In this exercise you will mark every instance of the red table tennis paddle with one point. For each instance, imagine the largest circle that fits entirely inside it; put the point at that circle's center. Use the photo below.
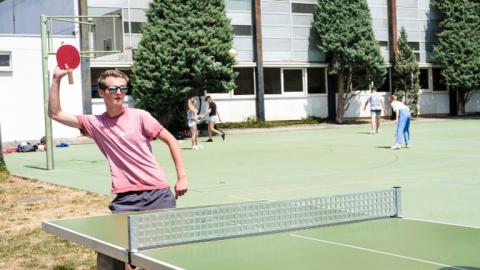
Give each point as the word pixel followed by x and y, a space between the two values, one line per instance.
pixel 68 58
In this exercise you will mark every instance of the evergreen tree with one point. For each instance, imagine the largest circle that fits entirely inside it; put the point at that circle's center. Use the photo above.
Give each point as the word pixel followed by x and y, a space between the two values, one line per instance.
pixel 183 52
pixel 4 173
pixel 346 37
pixel 405 74
pixel 458 48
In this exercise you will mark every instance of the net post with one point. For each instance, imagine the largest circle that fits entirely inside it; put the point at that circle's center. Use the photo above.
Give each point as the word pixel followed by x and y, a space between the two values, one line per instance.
pixel 398 201
pixel 132 242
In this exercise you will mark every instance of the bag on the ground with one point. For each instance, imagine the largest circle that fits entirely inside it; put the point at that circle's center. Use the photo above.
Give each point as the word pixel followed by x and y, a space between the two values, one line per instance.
pixel 26 147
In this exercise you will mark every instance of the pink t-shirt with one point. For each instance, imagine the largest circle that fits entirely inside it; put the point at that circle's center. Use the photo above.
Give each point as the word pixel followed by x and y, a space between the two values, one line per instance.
pixel 125 142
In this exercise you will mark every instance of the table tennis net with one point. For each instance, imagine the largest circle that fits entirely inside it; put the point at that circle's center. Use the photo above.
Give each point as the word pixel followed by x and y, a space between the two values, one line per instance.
pixel 179 226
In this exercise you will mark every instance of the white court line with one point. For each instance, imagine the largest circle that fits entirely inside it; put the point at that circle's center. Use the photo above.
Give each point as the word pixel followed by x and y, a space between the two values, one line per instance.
pixel 375 251
pixel 444 223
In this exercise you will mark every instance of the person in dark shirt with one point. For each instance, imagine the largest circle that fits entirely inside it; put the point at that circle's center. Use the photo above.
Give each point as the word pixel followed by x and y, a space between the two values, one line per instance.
pixel 212 116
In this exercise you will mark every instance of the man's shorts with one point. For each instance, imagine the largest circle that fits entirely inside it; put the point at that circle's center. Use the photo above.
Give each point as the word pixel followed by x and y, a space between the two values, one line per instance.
pixel 143 200
pixel 376 112
pixel 191 123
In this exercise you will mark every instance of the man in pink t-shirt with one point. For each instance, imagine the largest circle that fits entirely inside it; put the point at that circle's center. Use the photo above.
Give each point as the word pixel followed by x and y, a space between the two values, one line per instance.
pixel 123 135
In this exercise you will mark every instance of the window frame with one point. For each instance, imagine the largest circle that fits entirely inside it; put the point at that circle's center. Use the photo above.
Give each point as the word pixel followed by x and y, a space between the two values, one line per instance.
pixel 295 5
pixel 325 81
pixel 416 51
pixel 282 82
pixel 433 83
pixel 253 81
pixel 429 75
pixel 10 61
pixel 238 27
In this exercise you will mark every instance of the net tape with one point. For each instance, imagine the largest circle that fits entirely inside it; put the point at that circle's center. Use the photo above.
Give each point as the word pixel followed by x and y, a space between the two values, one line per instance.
pixel 216 222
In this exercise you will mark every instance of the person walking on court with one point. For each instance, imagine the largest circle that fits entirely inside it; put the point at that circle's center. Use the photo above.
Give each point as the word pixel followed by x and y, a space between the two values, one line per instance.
pixel 376 106
pixel 212 117
pixel 192 120
pixel 123 135
pixel 403 122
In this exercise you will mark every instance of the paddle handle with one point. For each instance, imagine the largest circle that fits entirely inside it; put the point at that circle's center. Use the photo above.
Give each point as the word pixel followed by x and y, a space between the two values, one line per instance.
pixel 70 76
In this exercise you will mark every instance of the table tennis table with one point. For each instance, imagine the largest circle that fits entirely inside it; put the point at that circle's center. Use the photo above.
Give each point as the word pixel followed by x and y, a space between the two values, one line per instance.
pixel 369 242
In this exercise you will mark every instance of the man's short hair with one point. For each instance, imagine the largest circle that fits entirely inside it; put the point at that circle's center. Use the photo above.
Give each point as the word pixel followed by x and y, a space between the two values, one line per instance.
pixel 110 73
pixel 207 97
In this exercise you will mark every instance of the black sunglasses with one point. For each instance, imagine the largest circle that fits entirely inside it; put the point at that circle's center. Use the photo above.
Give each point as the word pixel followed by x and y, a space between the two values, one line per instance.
pixel 112 89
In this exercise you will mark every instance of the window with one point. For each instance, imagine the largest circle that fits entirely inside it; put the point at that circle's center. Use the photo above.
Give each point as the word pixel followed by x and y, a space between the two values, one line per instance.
pixel 417 56
pixel 415 46
pixel 438 80
pixel 292 80
pixel 303 8
pixel 5 61
pixel 316 80
pixel 242 30
pixel 271 81
pixel 383 44
pixel 135 27
pixel 423 78
pixel 244 82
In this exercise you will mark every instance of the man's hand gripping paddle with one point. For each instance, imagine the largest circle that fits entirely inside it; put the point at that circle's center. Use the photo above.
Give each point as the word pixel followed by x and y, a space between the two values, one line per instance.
pixel 68 58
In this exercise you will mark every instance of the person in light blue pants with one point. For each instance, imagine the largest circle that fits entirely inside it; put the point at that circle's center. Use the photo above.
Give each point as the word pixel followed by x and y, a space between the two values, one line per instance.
pixel 403 122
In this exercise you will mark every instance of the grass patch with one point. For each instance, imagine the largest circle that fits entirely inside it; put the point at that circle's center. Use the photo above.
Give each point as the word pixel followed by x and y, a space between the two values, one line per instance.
pixel 252 123
pixel 24 205
pixel 4 176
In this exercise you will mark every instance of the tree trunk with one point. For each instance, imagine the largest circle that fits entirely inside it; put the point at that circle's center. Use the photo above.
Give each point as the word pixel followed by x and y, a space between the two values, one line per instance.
pixel 340 97
pixel 460 102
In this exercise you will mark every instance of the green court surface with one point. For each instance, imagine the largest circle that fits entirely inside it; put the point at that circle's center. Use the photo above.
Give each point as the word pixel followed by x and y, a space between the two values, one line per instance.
pixel 439 174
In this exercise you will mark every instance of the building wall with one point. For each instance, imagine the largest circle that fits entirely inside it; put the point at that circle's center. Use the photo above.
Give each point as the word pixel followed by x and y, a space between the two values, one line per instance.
pixel 289 43
pixel 421 24
pixel 431 103
pixel 379 14
pixel 473 105
pixel 21 91
pixel 240 14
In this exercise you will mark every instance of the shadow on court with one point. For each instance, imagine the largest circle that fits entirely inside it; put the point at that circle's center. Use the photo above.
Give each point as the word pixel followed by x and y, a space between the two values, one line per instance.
pixel 36 167
pixel 383 147
pixel 459 267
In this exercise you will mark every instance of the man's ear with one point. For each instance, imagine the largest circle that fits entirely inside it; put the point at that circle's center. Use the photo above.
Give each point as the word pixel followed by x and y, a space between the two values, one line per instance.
pixel 100 92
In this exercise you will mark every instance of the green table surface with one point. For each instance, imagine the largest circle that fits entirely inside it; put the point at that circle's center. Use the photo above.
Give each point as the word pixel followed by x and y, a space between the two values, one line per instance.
pixel 393 243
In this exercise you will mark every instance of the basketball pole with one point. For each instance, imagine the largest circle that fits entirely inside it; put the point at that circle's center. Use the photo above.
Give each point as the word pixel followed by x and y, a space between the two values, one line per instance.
pixel 46 84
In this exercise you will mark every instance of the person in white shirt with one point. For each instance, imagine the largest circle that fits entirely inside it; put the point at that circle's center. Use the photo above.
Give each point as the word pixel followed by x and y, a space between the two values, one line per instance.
pixel 403 122
pixel 376 106
pixel 192 120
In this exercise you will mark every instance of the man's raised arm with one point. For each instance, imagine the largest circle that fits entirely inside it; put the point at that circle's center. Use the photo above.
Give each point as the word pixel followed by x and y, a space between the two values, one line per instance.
pixel 54 108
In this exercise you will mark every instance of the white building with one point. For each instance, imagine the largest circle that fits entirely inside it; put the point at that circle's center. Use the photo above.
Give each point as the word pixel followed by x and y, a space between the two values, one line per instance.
pixel 296 82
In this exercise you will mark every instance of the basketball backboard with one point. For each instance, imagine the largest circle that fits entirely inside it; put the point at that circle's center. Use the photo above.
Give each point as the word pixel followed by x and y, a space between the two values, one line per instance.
pixel 108 33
